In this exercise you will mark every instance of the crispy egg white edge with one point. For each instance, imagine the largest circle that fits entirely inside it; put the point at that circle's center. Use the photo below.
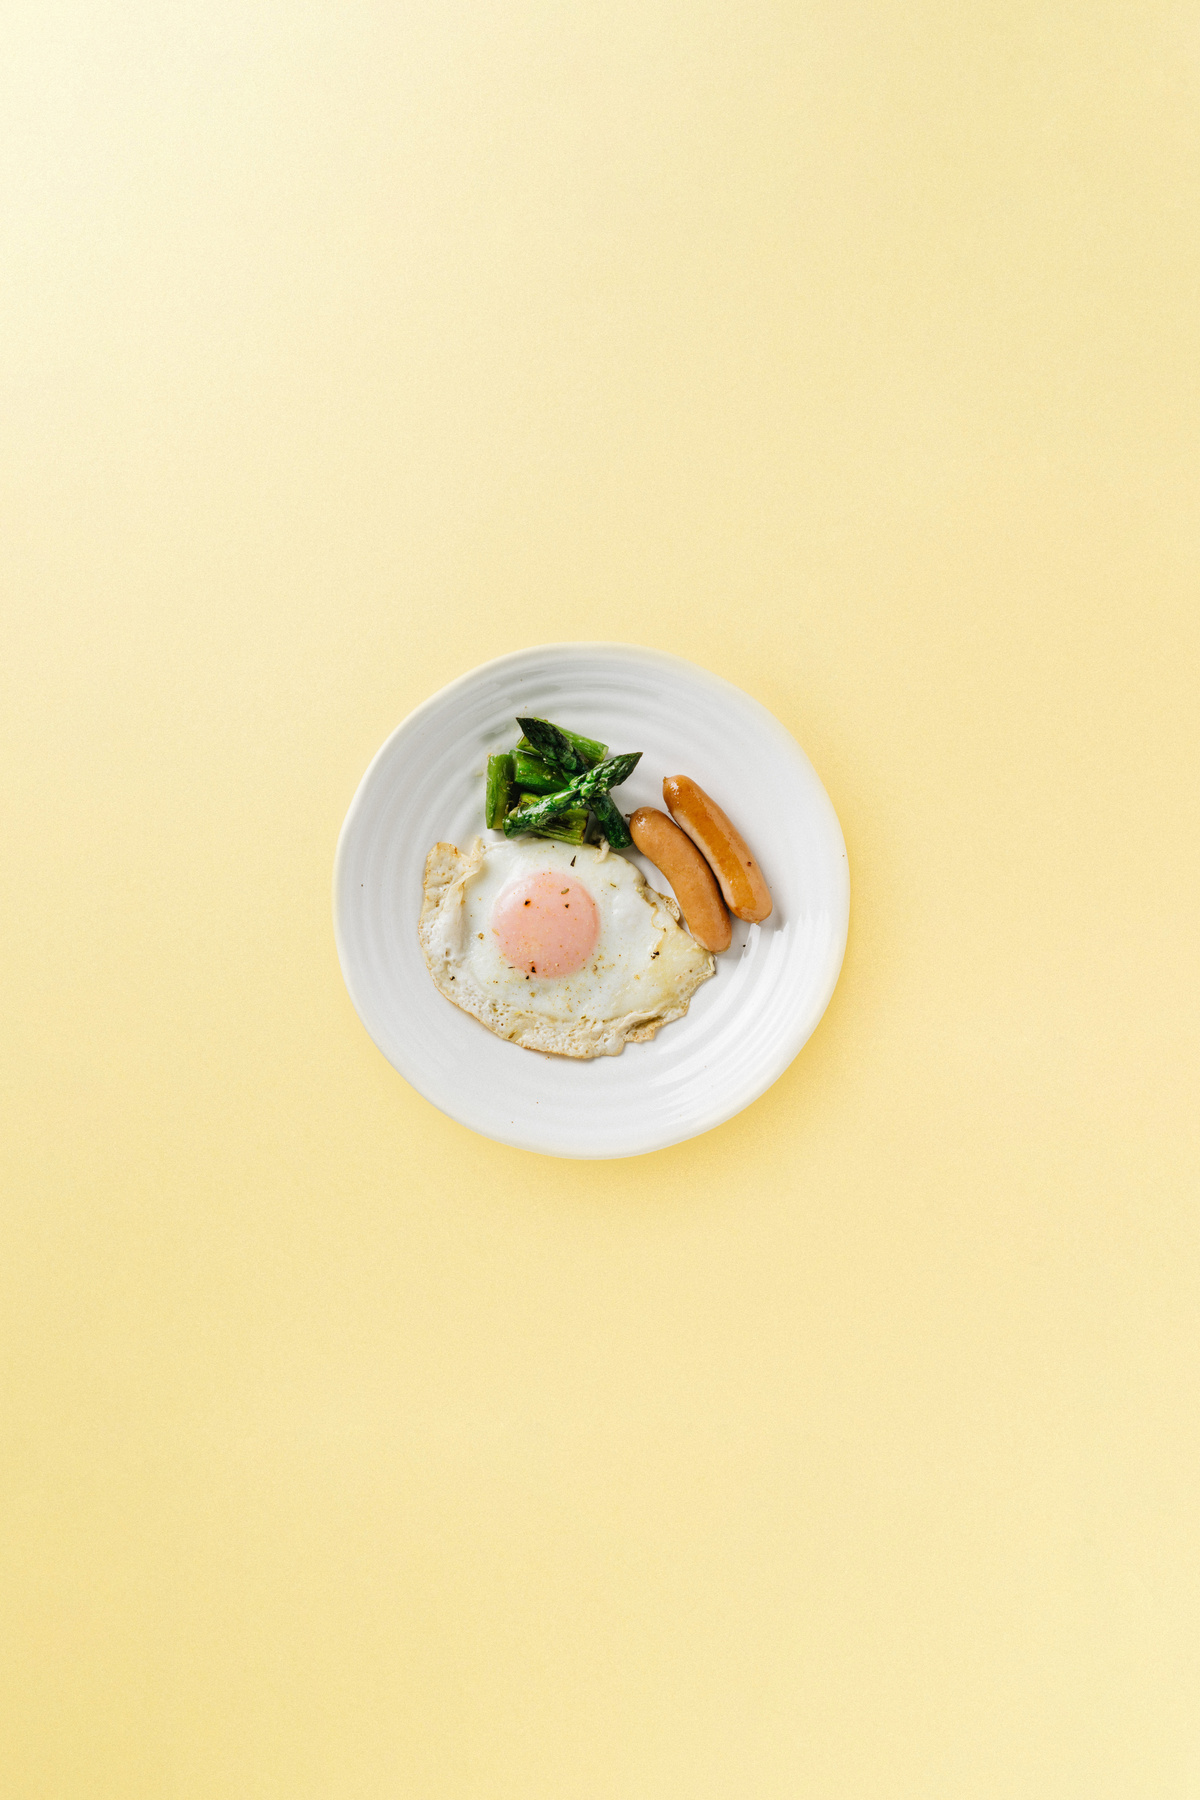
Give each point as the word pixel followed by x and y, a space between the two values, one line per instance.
pixel 441 931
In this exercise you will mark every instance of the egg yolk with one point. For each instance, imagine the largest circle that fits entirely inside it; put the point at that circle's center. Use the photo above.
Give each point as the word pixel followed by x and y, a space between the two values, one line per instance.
pixel 547 924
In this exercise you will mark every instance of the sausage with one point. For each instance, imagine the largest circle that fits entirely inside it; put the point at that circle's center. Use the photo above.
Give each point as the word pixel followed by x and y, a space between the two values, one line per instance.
pixel 740 878
pixel 694 883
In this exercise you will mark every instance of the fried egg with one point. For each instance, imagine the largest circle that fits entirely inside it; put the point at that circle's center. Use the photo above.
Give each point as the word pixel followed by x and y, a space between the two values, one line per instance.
pixel 556 947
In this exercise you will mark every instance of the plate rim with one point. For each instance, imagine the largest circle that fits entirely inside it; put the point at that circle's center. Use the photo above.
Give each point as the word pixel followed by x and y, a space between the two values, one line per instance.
pixel 580 647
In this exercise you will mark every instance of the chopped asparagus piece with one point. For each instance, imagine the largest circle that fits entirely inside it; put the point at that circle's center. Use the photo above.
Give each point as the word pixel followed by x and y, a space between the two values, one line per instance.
pixel 531 773
pixel 499 789
pixel 610 821
pixel 568 827
pixel 561 749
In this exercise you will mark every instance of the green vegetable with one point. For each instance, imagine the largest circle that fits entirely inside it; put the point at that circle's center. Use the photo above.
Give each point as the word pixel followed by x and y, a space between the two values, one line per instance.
pixel 610 821
pixel 568 827
pixel 608 774
pixel 547 785
pixel 564 750
pixel 500 791
pixel 531 773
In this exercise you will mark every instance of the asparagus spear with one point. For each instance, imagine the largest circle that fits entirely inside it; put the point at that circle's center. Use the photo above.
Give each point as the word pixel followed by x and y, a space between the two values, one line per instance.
pixel 607 774
pixel 499 790
pixel 564 750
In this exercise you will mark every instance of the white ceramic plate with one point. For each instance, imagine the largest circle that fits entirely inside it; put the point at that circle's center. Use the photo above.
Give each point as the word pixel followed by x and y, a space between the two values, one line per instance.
pixel 744 1026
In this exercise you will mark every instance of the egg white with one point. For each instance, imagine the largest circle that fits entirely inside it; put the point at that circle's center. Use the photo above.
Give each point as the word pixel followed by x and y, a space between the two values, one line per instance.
pixel 641 975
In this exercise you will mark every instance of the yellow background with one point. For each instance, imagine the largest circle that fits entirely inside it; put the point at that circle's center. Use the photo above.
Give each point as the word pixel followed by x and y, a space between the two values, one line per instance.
pixel 850 349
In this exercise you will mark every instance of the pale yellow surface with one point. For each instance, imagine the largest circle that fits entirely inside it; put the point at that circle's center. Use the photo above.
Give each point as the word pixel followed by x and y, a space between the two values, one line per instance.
pixel 849 1452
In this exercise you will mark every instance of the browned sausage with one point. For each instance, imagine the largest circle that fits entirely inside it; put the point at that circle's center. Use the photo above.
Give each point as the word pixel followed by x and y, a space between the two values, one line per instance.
pixel 694 883
pixel 741 879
